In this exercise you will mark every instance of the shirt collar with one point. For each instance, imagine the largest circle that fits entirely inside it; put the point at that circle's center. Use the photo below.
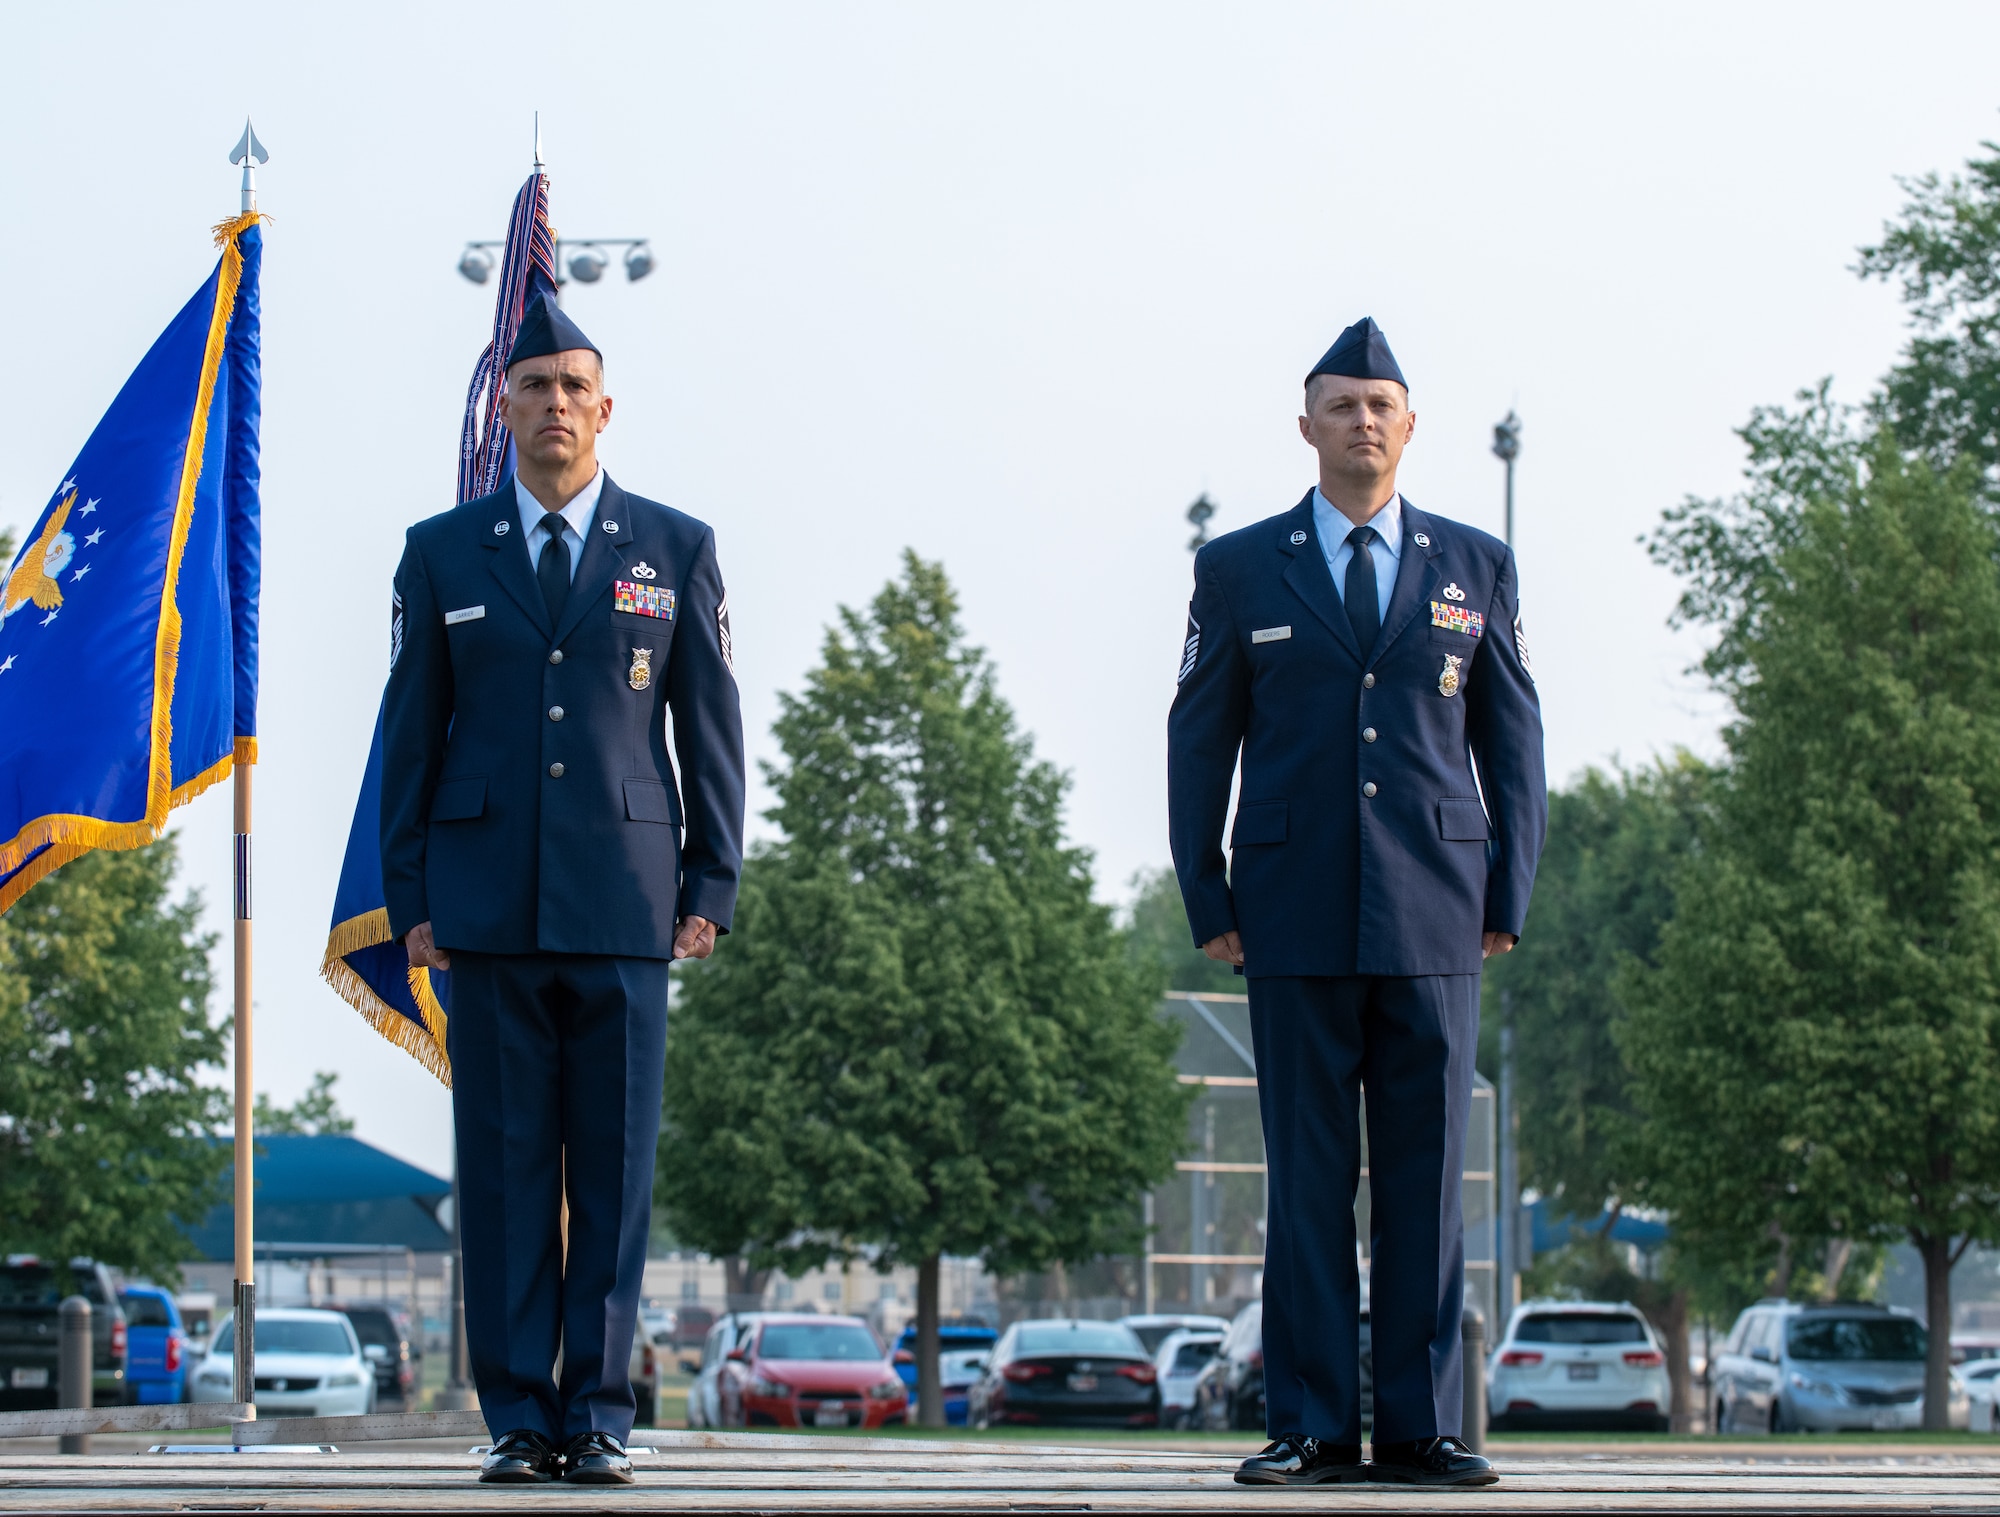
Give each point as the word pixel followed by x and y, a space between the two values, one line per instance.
pixel 1387 522
pixel 582 506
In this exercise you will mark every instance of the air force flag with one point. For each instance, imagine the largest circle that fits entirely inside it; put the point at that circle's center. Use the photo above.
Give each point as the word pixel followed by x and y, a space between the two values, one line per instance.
pixel 128 622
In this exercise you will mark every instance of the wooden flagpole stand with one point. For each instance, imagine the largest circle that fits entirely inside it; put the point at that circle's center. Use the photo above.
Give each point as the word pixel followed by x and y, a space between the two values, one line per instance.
pixel 245 1304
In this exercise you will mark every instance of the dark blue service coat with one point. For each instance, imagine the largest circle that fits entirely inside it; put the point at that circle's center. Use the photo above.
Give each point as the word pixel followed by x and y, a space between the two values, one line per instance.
pixel 1330 877
pixel 528 801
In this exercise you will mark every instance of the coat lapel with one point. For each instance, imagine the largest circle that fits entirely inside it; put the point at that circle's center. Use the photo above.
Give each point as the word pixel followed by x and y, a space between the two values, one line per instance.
pixel 1416 576
pixel 603 556
pixel 509 563
pixel 1308 576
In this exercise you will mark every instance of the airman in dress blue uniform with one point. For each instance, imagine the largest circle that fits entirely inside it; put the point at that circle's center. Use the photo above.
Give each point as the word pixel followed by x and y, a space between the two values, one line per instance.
pixel 1364 661
pixel 537 842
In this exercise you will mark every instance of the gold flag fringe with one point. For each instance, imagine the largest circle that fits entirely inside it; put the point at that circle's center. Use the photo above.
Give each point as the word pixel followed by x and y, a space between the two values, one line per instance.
pixel 62 836
pixel 424 1044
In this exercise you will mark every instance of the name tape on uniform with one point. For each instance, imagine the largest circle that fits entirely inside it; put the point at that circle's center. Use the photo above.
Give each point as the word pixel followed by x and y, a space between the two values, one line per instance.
pixel 1270 634
pixel 469 614
pixel 1457 619
pixel 642 600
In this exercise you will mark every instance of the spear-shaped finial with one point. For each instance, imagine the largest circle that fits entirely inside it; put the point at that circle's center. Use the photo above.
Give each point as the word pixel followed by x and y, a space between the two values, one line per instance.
pixel 249 152
pixel 538 142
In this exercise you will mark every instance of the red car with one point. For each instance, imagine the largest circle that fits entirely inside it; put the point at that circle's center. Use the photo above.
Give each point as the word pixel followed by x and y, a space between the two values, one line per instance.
pixel 811 1372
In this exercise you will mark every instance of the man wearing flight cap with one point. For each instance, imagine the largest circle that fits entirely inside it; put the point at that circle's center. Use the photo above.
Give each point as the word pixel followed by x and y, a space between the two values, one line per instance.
pixel 1364 662
pixel 532 844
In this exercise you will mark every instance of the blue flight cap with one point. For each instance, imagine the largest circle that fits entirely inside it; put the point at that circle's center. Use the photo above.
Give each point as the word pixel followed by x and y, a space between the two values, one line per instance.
pixel 545 330
pixel 1361 352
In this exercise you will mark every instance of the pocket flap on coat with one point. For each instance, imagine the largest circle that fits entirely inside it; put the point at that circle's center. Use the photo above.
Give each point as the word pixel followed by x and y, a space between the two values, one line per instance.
pixel 650 801
pixel 1261 822
pixel 459 800
pixel 1463 820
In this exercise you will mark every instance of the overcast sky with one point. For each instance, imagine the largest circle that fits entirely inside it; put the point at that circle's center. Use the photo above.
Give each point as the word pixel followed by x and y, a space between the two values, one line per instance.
pixel 1010 285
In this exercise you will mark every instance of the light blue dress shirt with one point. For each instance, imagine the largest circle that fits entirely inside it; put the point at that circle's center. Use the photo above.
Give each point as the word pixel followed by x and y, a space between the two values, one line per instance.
pixel 1386 550
pixel 578 513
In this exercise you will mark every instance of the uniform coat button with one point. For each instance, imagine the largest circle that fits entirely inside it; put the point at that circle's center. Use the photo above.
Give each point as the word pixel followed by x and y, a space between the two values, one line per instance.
pixel 555 715
pixel 555 655
pixel 1367 733
pixel 1367 680
pixel 555 773
pixel 1367 789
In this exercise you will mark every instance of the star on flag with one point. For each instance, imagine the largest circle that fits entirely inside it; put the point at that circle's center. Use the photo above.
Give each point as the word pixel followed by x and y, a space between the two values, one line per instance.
pixel 91 541
pixel 49 618
pixel 88 507
pixel 8 665
pixel 80 573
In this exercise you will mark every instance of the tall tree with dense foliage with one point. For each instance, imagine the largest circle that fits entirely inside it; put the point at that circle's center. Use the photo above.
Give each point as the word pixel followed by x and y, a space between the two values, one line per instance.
pixel 1943 399
pixel 923 1036
pixel 105 1125
pixel 1817 1049
pixel 1603 891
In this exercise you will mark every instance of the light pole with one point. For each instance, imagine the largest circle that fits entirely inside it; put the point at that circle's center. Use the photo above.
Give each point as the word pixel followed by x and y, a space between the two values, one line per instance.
pixel 1198 516
pixel 586 265
pixel 1506 448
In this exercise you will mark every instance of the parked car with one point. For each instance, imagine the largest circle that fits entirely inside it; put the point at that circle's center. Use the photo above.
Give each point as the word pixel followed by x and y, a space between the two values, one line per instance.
pixel 652 1341
pixel 704 1397
pixel 1062 1370
pixel 810 1371
pixel 386 1345
pixel 156 1356
pixel 1969 1348
pixel 1787 1367
pixel 1179 1360
pixel 197 1309
pixel 1154 1328
pixel 963 1347
pixel 31 1294
pixel 1981 1384
pixel 1229 1392
pixel 308 1364
pixel 1577 1365
pixel 691 1325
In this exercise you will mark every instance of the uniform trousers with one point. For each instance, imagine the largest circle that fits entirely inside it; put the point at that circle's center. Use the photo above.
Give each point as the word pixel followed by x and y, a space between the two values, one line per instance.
pixel 556 1064
pixel 1409 1044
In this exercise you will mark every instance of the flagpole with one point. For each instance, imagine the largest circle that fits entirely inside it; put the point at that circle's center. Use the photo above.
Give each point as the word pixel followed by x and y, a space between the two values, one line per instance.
pixel 245 1306
pixel 249 152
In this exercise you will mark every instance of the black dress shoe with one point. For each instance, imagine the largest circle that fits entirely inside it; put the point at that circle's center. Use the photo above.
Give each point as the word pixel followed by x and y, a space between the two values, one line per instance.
pixel 596 1459
pixel 1430 1461
pixel 1294 1460
pixel 522 1457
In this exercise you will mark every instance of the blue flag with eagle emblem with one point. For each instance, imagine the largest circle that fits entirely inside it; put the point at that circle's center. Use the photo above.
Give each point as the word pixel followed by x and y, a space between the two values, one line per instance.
pixel 370 970
pixel 128 624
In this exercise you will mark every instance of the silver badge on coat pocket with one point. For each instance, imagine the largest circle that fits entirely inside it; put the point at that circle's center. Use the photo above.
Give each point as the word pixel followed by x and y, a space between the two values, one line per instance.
pixel 1449 680
pixel 640 675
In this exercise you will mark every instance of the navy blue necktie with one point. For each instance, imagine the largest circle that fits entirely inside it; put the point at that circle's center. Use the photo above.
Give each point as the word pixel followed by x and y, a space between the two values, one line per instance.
pixel 552 568
pixel 1364 611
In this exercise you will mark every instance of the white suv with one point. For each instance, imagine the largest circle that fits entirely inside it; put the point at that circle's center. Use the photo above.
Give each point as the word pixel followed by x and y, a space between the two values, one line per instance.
pixel 1579 1365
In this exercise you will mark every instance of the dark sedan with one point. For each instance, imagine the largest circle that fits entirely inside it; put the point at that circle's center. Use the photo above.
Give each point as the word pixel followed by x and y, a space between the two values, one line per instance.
pixel 1229 1393
pixel 1083 1374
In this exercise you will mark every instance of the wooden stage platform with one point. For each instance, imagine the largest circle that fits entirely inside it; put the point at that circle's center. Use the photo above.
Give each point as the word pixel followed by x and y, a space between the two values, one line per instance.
pixel 752 1473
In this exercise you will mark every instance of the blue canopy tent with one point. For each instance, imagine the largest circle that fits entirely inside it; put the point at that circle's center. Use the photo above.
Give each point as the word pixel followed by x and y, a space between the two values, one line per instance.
pixel 335 1191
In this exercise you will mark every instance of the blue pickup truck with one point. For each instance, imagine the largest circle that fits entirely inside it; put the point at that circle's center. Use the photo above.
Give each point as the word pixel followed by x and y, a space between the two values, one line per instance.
pixel 155 1346
pixel 962 1350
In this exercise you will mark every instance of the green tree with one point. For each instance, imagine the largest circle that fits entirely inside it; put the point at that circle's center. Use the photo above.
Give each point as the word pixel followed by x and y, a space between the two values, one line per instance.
pixel 314 1113
pixel 105 1127
pixel 1943 399
pixel 923 1036
pixel 1602 893
pixel 1157 938
pixel 1814 1048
